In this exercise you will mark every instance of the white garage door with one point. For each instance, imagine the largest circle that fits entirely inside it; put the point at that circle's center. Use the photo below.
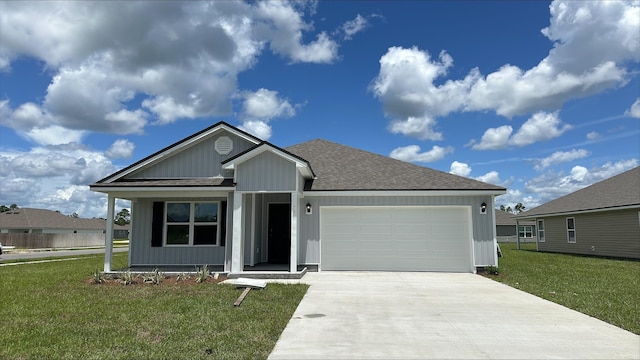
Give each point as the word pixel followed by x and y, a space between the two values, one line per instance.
pixel 396 238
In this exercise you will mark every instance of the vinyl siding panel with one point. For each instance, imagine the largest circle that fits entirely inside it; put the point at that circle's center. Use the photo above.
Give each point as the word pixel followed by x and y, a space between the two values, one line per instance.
pixel 199 160
pixel 483 226
pixel 142 254
pixel 610 233
pixel 266 172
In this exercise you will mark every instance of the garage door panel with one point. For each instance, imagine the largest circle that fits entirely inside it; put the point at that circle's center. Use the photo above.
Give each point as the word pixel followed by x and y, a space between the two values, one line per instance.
pixel 394 238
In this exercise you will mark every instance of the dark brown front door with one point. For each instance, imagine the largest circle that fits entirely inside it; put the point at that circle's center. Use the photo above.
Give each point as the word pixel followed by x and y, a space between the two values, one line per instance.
pixel 279 233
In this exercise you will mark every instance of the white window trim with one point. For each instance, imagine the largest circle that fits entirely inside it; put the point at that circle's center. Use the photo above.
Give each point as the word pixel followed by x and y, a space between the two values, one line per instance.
pixel 575 237
pixel 524 231
pixel 191 223
pixel 541 229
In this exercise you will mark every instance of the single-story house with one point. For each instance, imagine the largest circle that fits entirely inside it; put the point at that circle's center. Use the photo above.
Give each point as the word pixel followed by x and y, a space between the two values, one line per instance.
pixel 224 197
pixel 602 219
pixel 508 231
pixel 42 221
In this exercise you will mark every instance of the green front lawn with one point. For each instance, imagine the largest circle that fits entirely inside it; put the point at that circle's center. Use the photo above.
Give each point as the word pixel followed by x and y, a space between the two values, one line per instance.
pixel 52 310
pixel 603 288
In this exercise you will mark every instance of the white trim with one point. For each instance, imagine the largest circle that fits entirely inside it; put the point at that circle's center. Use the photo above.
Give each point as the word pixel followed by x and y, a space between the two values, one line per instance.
pixel 252 258
pixel 179 146
pixel 300 165
pixel 108 236
pixel 404 193
pixel 167 193
pixel 293 250
pixel 191 223
pixel 575 237
pixel 538 230
pixel 237 254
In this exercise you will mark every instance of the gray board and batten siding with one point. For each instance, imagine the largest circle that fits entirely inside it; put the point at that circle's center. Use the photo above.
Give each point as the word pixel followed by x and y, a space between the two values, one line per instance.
pixel 266 172
pixel 606 233
pixel 199 160
pixel 483 227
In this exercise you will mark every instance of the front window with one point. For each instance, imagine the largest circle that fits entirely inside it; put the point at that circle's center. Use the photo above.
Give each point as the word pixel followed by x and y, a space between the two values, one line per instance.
pixel 571 230
pixel 541 230
pixel 525 231
pixel 192 223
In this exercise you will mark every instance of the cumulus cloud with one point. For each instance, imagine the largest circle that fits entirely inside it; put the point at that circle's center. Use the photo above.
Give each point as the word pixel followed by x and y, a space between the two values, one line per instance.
pixel 559 157
pixel 54 177
pixel 593 135
pixel 592 42
pixel 539 127
pixel 132 67
pixel 634 110
pixel 260 107
pixel 551 185
pixel 412 153
pixel 459 168
pixel 121 148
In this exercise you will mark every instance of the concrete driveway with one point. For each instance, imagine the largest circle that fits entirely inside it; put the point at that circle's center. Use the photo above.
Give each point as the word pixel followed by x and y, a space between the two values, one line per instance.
pixel 365 315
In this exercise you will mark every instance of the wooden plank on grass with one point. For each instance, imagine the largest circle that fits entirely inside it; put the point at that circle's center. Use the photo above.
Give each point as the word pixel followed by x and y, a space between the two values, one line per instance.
pixel 242 296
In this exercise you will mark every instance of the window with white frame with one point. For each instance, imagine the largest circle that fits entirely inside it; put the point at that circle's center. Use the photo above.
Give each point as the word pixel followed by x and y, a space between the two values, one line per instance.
pixel 525 231
pixel 541 230
pixel 571 230
pixel 192 223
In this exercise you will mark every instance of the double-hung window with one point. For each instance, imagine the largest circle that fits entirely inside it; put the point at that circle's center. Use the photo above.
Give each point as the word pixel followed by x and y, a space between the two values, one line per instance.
pixel 192 223
pixel 541 230
pixel 571 230
pixel 525 231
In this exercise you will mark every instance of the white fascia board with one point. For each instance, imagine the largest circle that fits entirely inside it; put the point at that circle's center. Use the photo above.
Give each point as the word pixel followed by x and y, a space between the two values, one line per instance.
pixel 577 212
pixel 179 147
pixel 405 193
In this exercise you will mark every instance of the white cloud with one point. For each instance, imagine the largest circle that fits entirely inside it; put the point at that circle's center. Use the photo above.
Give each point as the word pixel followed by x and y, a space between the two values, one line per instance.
pixel 551 185
pixel 54 177
pixel 418 127
pixel 492 177
pixel 561 157
pixel 593 135
pixel 412 153
pixel 352 27
pixel 592 43
pixel 494 138
pixel 135 53
pixel 121 148
pixel 258 128
pixel 634 110
pixel 54 135
pixel 539 127
pixel 459 168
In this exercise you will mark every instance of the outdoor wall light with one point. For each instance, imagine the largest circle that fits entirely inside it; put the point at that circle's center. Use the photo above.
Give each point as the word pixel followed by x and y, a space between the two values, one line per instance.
pixel 309 210
pixel 483 208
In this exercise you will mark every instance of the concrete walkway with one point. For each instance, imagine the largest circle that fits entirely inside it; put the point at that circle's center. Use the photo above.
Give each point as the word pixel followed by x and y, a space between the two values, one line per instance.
pixel 381 315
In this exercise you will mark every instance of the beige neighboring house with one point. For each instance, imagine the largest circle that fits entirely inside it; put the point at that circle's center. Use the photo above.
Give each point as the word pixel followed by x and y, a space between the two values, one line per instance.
pixel 506 228
pixel 602 219
pixel 41 221
pixel 35 228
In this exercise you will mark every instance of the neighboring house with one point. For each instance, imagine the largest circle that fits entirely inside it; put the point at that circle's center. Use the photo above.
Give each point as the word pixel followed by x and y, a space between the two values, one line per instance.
pixel 506 228
pixel 224 197
pixel 602 219
pixel 41 221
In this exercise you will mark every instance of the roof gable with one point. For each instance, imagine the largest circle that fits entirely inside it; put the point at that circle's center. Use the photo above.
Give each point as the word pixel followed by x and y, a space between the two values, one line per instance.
pixel 301 164
pixel 618 191
pixel 179 147
pixel 339 167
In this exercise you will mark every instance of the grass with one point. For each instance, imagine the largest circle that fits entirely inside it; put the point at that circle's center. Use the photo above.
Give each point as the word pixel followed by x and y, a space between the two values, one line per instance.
pixel 51 310
pixel 606 289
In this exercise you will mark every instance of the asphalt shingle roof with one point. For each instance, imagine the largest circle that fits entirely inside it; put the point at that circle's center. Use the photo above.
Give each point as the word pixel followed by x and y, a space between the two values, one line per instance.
pixel 29 218
pixel 339 167
pixel 617 191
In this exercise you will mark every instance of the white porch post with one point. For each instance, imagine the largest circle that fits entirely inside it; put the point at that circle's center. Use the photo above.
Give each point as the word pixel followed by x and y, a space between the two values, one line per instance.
pixel 108 236
pixel 236 242
pixel 293 261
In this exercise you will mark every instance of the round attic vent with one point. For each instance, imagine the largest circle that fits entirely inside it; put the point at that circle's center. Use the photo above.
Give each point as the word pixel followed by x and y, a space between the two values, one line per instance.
pixel 224 145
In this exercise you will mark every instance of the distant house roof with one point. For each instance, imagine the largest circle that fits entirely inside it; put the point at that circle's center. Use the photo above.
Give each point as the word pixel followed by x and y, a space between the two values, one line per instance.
pixel 339 167
pixel 622 190
pixel 29 218
pixel 505 218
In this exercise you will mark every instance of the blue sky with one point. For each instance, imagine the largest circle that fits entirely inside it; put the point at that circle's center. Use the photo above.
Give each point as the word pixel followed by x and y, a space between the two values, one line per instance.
pixel 542 98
